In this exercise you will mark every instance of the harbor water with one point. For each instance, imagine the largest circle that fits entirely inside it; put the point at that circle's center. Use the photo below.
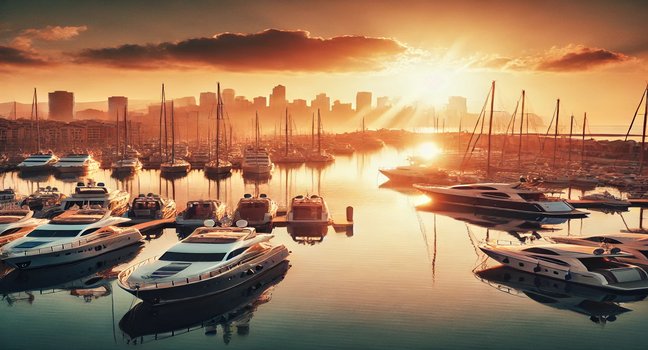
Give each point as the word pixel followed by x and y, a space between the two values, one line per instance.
pixel 403 278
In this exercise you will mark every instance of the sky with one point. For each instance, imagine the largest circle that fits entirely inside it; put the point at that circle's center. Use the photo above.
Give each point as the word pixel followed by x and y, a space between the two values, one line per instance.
pixel 590 54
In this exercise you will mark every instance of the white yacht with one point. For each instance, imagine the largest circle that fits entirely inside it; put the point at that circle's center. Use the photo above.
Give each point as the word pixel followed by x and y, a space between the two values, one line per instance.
pixel 126 165
pixel 579 264
pixel 98 194
pixel 38 162
pixel 511 198
pixel 209 261
pixel 257 211
pixel 256 160
pixel 77 163
pixel 72 236
pixel 608 199
pixel 151 207
pixel 15 223
pixel 633 243
pixel 308 210
pixel 411 174
pixel 45 202
pixel 197 212
pixel 9 196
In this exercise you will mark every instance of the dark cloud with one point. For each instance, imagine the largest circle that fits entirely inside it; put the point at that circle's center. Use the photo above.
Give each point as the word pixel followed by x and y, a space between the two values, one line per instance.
pixel 10 56
pixel 270 50
pixel 571 58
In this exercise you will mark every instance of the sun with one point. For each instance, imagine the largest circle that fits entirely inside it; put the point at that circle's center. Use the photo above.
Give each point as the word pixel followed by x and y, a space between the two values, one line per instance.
pixel 428 150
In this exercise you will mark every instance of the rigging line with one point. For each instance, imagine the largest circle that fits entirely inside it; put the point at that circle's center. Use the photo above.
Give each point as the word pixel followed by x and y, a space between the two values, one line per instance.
pixel 543 140
pixel 511 121
pixel 482 115
pixel 643 95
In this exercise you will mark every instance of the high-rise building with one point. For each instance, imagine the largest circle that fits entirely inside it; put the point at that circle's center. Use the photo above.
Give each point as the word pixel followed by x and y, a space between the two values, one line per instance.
pixel 278 97
pixel 321 102
pixel 228 96
pixel 61 106
pixel 116 106
pixel 207 100
pixel 363 101
pixel 383 102
pixel 260 103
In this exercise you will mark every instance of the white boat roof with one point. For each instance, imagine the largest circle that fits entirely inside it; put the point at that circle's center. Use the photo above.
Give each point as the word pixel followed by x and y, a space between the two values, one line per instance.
pixel 564 250
pixel 624 238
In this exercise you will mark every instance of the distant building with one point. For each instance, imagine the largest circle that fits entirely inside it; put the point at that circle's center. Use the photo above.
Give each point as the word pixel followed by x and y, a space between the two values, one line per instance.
pixel 207 100
pixel 228 96
pixel 260 103
pixel 456 108
pixel 321 102
pixel 116 106
pixel 184 101
pixel 91 114
pixel 61 106
pixel 363 101
pixel 278 97
pixel 383 102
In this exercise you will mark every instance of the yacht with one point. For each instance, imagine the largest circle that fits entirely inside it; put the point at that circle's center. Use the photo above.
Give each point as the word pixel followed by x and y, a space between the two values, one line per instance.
pixel 218 167
pixel 9 196
pixel 45 202
pixel 15 223
pixel 199 211
pixel 126 165
pixel 411 174
pixel 38 162
pixel 209 261
pixel 307 210
pixel 256 160
pixel 72 236
pixel 151 207
pixel 579 264
pixel 97 195
pixel 511 198
pixel 77 163
pixel 175 167
pixel 257 211
pixel 635 244
pixel 607 199
pixel 599 305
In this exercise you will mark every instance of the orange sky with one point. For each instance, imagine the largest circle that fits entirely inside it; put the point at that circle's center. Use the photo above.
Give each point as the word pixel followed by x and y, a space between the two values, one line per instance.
pixel 590 54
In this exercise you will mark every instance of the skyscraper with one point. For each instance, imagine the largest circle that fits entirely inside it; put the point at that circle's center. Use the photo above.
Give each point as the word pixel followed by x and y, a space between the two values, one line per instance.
pixel 321 102
pixel 228 96
pixel 278 97
pixel 61 106
pixel 116 105
pixel 363 101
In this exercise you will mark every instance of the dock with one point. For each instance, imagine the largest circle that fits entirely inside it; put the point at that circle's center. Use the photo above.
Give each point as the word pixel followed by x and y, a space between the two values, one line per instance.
pixel 587 204
pixel 155 224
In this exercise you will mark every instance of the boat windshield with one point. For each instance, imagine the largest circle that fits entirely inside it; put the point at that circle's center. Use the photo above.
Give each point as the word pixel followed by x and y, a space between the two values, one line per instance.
pixel 53 233
pixel 533 197
pixel 307 212
pixel 82 204
pixel 192 257
pixel 600 263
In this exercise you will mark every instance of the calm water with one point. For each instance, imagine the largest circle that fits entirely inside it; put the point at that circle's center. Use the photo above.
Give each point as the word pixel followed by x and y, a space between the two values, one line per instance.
pixel 405 279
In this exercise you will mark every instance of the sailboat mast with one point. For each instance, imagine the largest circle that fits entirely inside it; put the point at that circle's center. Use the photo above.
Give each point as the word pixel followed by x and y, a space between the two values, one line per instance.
pixel 125 132
pixel 319 132
pixel 286 130
pixel 556 132
pixel 521 125
pixel 38 144
pixel 256 128
pixel 313 132
pixel 118 145
pixel 172 134
pixel 571 130
pixel 583 141
pixel 643 134
pixel 219 111
pixel 490 129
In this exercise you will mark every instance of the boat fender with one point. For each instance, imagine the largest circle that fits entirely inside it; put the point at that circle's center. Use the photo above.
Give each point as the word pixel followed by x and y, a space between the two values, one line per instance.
pixel 599 251
pixel 209 223
pixel 615 250
pixel 249 272
pixel 259 267
pixel 537 268
pixel 506 260
pixel 568 276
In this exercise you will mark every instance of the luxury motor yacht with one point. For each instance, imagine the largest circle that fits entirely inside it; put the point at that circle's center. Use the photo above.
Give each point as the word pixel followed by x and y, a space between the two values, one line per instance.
pixel 98 194
pixel 45 202
pixel 257 211
pixel 126 166
pixel 77 163
pixel 38 162
pixel 600 305
pixel 256 160
pixel 411 174
pixel 307 210
pixel 512 198
pixel 209 261
pixel 635 244
pixel 197 212
pixel 607 199
pixel 15 223
pixel 579 264
pixel 151 207
pixel 72 236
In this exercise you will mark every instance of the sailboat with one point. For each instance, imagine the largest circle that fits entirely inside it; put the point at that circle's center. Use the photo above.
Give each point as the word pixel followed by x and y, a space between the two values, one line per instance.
pixel 37 161
pixel 320 156
pixel 174 166
pixel 256 159
pixel 218 166
pixel 289 156
pixel 127 164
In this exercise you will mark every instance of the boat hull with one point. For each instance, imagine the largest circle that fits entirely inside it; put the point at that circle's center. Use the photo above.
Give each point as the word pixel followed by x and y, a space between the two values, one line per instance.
pixel 177 292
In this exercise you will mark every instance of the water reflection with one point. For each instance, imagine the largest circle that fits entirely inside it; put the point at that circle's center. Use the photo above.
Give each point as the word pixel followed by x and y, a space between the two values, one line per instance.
pixel 308 234
pixel 601 306
pixel 229 310
pixel 88 278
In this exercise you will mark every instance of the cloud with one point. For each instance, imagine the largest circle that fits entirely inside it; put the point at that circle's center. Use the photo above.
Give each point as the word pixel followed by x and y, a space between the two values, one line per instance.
pixel 26 37
pixel 571 58
pixel 269 50
pixel 10 56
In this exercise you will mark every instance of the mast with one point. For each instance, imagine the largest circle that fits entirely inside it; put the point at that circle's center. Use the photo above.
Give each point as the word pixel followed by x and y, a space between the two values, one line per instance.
pixel 521 124
pixel 643 134
pixel 490 130
pixel 571 130
pixel 197 130
pixel 125 133
pixel 256 128
pixel 319 133
pixel 286 130
pixel 38 144
pixel 161 110
pixel 219 111
pixel 556 132
pixel 583 141
pixel 118 145
pixel 172 134
pixel 313 132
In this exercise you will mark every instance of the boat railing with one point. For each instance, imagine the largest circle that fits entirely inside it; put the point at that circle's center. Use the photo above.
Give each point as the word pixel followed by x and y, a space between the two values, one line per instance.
pixel 125 274
pixel 61 247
